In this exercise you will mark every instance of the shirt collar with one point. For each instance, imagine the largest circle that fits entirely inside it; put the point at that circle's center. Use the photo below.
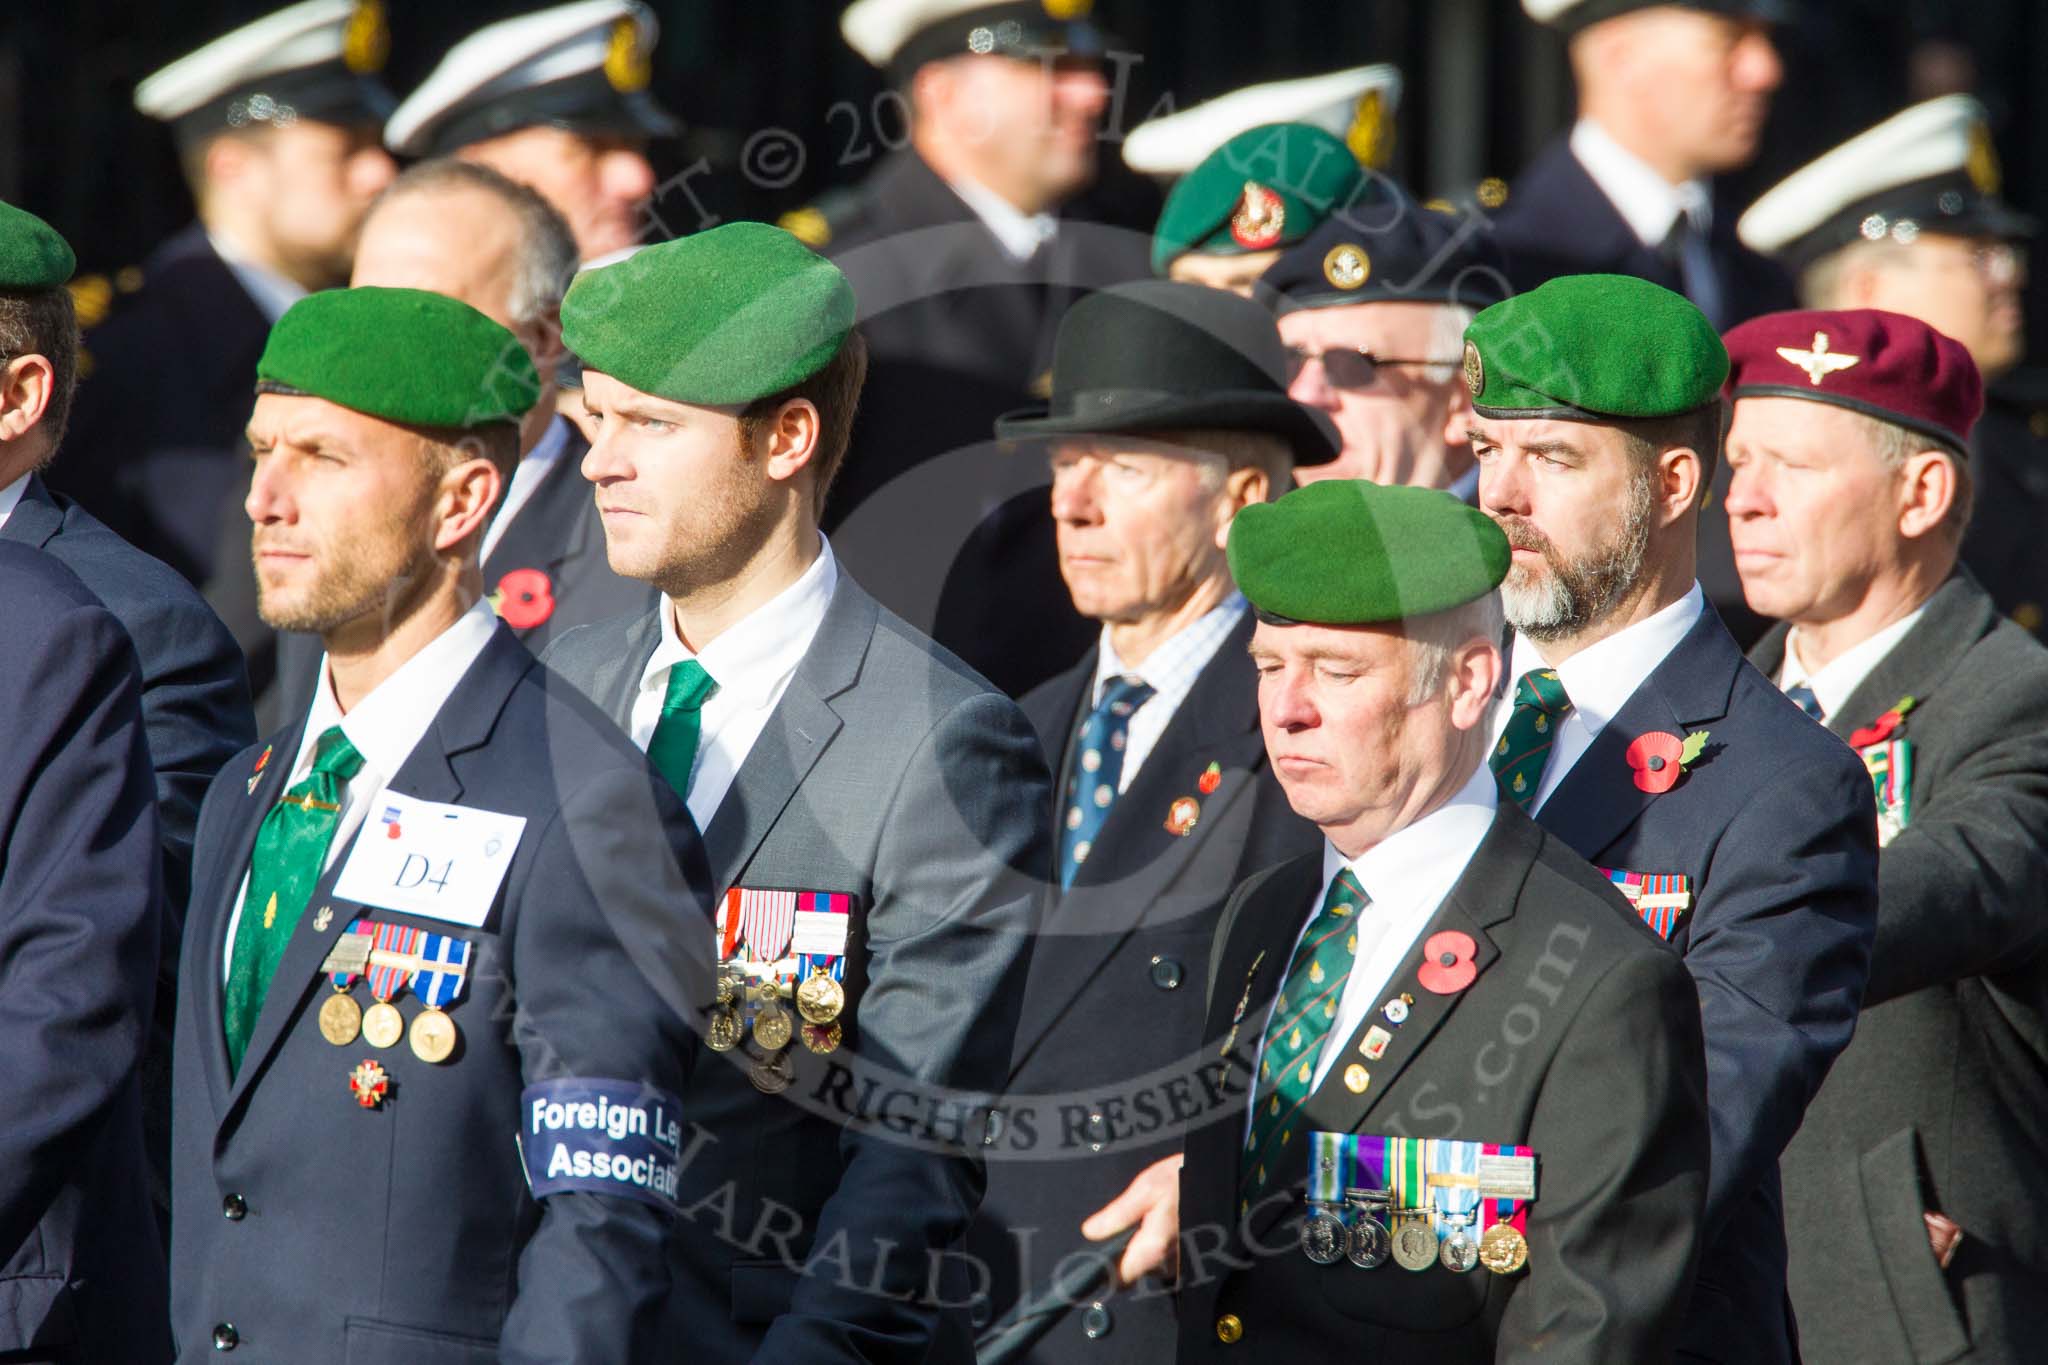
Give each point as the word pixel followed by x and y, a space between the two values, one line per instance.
pixel 553 441
pixel 1646 201
pixel 272 292
pixel 1183 654
pixel 1430 853
pixel 754 655
pixel 1834 685
pixel 1020 233
pixel 10 496
pixel 1601 678
pixel 387 724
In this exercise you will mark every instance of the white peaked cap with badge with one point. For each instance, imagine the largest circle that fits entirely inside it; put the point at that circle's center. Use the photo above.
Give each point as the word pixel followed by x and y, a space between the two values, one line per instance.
pixel 882 30
pixel 1356 105
pixel 307 34
pixel 520 54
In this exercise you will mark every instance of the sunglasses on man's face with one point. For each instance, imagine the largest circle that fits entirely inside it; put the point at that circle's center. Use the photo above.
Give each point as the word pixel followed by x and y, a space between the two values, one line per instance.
pixel 1347 367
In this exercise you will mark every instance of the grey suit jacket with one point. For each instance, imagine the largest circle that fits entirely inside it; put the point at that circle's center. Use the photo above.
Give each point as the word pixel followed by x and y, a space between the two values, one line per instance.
pixel 1938 1102
pixel 891 772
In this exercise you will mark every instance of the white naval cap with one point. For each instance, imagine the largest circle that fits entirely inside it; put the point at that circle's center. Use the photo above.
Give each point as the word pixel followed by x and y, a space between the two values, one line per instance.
pixel 583 66
pixel 312 60
pixel 1930 168
pixel 1356 105
pixel 902 35
pixel 1574 15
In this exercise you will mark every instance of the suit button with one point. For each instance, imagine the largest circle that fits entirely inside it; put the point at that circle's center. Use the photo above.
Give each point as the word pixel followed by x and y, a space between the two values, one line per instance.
pixel 993 1133
pixel 225 1337
pixel 234 1208
pixel 1097 1129
pixel 1167 973
pixel 1229 1328
pixel 1095 1322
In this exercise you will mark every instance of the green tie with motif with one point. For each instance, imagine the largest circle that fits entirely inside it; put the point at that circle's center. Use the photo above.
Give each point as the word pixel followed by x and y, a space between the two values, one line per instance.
pixel 291 851
pixel 1524 749
pixel 1302 1016
pixel 673 747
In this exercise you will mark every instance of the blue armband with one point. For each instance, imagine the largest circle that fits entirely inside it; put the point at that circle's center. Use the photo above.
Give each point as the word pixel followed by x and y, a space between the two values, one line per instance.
pixel 595 1136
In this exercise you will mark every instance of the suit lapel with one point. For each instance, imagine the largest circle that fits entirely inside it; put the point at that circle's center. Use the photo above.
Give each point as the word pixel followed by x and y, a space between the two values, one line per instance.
pixel 550 528
pixel 1597 800
pixel 615 679
pixel 1956 617
pixel 36 518
pixel 798 730
pixel 463 723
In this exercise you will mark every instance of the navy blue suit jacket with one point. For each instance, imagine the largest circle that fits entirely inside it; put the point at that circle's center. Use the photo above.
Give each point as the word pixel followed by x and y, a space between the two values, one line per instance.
pixel 83 1277
pixel 1776 827
pixel 407 1233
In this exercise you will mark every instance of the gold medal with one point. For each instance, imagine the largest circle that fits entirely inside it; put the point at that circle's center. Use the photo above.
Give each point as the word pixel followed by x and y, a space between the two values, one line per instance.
pixel 732 982
pixel 823 1038
pixel 1415 1243
pixel 772 1028
pixel 1503 1249
pixel 771 1075
pixel 722 1032
pixel 383 1025
pixel 820 999
pixel 433 1036
pixel 341 1019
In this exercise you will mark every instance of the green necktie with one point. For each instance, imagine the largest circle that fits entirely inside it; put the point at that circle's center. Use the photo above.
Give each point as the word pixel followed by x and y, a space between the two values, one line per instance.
pixel 673 748
pixel 1518 760
pixel 291 851
pixel 1294 1038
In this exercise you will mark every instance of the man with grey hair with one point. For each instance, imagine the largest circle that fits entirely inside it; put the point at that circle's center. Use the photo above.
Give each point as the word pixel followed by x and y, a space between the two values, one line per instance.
pixel 1373 307
pixel 462 229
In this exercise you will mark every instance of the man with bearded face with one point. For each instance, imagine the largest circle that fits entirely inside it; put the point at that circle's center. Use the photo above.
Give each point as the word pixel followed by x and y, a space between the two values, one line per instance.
pixel 1635 733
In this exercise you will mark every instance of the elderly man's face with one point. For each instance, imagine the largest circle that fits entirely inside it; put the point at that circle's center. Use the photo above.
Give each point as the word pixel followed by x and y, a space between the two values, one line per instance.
pixel 1141 524
pixel 1401 422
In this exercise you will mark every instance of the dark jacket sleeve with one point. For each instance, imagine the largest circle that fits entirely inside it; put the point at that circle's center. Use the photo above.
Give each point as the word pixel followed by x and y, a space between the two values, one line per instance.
pixel 1614 1234
pixel 79 897
pixel 606 968
pixel 965 852
pixel 1780 955
pixel 1960 890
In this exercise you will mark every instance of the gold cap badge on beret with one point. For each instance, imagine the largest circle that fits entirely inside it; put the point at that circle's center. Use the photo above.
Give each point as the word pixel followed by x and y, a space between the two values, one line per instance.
pixel 1475 371
pixel 1260 218
pixel 1347 266
pixel 627 63
pixel 1819 362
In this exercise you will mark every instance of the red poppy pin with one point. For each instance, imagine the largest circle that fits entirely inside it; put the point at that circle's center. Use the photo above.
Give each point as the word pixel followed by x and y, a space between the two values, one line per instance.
pixel 1658 759
pixel 1447 962
pixel 525 598
pixel 1210 780
pixel 1881 730
pixel 256 773
pixel 1182 815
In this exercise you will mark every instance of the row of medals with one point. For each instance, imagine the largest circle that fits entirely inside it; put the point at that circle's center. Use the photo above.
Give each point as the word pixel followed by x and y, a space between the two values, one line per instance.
pixel 341 1019
pixel 819 1001
pixel 1412 1243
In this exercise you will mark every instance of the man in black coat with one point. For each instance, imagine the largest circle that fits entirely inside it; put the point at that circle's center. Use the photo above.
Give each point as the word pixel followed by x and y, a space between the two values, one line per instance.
pixel 1913 1204
pixel 1638 736
pixel 964 260
pixel 276 127
pixel 1142 496
pixel 1442 1009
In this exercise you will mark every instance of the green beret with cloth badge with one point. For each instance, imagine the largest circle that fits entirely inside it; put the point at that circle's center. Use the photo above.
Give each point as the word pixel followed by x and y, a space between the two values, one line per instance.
pixel 404 355
pixel 1265 188
pixel 1593 348
pixel 1344 552
pixel 32 253
pixel 721 317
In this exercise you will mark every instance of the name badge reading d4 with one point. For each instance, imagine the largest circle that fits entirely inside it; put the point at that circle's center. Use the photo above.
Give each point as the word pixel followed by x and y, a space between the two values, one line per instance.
pixel 429 859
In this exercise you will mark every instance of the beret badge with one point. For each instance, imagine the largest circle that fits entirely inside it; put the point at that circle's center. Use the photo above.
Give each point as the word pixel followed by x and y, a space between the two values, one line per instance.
pixel 1475 371
pixel 1260 218
pixel 1818 362
pixel 1347 266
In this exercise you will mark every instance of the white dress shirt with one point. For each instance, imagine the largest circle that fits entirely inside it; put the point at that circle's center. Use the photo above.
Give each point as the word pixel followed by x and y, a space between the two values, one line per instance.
pixel 10 496
pixel 1171 671
pixel 384 727
pixel 1406 876
pixel 1020 234
pixel 751 663
pixel 1834 685
pixel 272 292
pixel 533 466
pixel 1646 201
pixel 1599 679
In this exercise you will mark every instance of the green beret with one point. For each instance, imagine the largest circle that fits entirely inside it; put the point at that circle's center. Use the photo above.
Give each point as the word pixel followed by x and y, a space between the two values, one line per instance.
pixel 1590 348
pixel 1344 552
pixel 401 354
pixel 32 254
pixel 725 316
pixel 1264 188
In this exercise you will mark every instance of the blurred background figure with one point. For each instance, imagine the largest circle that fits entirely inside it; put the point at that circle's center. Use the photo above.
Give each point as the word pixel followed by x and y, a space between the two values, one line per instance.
pixel 276 129
pixel 1373 307
pixel 1909 217
pixel 558 100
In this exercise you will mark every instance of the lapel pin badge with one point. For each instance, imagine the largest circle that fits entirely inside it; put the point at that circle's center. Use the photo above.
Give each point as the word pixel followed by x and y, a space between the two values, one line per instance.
pixel 1210 780
pixel 1447 962
pixel 256 773
pixel 1659 758
pixel 1182 816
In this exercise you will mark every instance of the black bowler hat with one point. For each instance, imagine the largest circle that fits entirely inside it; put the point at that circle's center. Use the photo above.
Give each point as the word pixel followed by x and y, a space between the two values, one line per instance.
pixel 1384 247
pixel 1160 355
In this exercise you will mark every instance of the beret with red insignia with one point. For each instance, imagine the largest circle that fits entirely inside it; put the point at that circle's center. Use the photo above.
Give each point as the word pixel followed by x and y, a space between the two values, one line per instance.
pixel 1883 365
